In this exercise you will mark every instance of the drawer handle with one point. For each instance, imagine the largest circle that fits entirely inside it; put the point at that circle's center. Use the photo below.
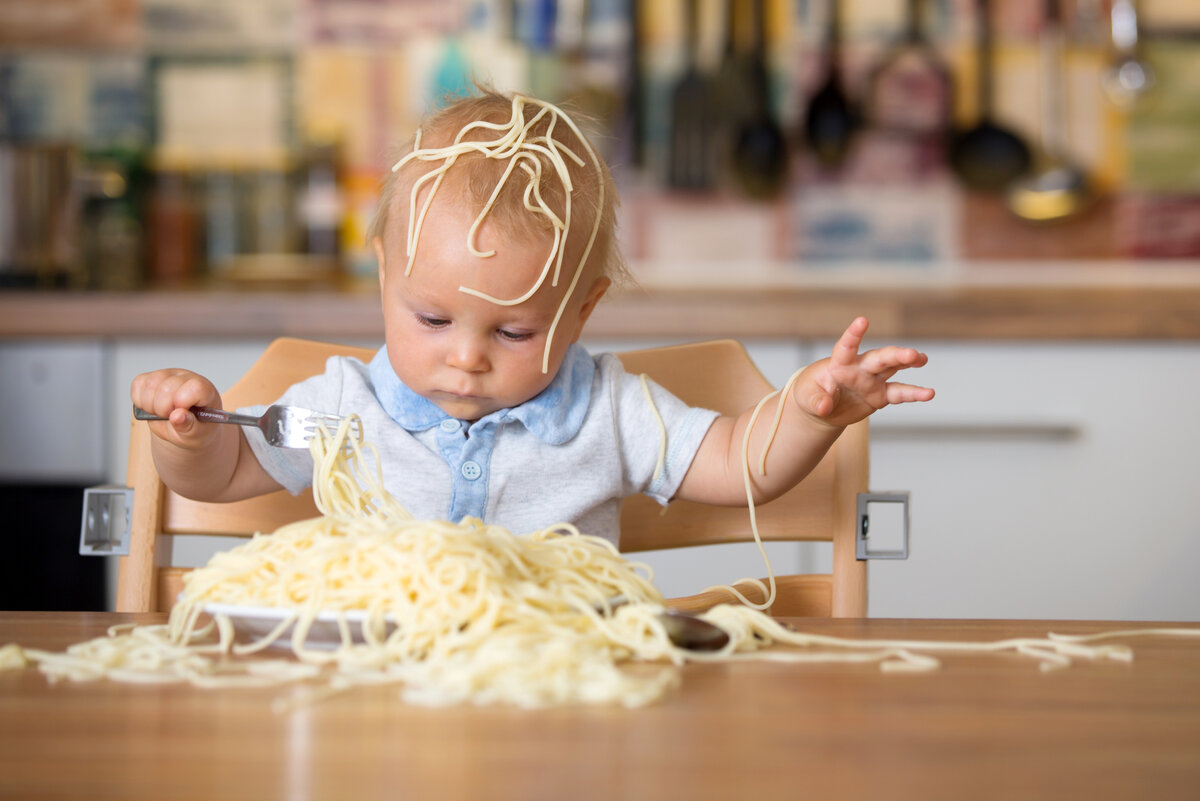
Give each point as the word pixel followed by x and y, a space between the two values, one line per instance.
pixel 1032 430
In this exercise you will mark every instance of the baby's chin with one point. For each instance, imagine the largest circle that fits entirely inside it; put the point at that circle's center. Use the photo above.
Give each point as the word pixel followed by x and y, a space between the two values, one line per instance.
pixel 467 408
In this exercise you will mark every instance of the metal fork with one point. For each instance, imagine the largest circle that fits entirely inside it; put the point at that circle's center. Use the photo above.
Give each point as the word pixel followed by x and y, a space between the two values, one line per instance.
pixel 283 426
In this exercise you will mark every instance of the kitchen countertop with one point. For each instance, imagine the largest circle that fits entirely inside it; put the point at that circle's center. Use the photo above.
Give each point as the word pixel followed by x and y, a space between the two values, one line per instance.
pixel 1103 301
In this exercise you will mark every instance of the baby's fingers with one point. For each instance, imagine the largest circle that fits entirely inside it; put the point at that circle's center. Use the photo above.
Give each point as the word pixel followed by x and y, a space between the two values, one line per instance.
pixel 889 359
pixel 846 349
pixel 819 401
pixel 170 394
pixel 907 393
pixel 181 392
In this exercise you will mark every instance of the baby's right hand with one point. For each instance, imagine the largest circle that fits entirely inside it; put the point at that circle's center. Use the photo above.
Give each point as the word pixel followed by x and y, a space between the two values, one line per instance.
pixel 171 393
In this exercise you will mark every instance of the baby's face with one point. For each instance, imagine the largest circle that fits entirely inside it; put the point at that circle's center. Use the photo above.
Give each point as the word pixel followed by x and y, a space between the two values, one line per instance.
pixel 467 354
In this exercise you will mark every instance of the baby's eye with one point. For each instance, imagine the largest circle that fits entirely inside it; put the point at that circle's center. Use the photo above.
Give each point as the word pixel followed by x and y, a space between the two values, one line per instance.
pixel 430 321
pixel 514 336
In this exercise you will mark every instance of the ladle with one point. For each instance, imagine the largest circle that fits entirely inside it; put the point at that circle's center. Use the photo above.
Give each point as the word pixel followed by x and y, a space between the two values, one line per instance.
pixel 832 119
pixel 1128 76
pixel 987 156
pixel 691 153
pixel 760 151
pixel 1057 188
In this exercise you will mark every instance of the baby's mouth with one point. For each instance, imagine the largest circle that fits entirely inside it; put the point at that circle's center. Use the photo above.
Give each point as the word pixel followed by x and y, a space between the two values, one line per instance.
pixel 460 396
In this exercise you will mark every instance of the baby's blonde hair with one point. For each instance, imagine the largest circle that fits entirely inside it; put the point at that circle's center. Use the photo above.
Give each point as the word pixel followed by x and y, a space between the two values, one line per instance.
pixel 473 174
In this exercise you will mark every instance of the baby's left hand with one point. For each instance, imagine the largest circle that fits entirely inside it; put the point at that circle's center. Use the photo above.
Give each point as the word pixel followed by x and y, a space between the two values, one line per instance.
pixel 849 386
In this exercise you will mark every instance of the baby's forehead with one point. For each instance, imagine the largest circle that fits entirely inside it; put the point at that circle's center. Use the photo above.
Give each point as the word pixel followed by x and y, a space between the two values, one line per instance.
pixel 508 286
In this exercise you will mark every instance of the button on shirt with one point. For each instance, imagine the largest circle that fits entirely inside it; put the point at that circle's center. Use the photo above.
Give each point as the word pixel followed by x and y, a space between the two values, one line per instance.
pixel 569 455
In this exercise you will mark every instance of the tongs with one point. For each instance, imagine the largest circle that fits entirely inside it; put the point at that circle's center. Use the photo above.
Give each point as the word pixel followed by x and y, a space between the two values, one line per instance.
pixel 283 426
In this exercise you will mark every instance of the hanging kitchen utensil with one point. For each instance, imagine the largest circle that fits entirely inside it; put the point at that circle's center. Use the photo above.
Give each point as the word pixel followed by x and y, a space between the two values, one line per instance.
pixel 732 88
pixel 1056 189
pixel 910 91
pixel 831 119
pixel 635 96
pixel 760 153
pixel 987 156
pixel 692 159
pixel 1128 76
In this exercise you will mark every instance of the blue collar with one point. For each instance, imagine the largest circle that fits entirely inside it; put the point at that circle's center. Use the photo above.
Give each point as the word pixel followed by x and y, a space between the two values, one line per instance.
pixel 554 415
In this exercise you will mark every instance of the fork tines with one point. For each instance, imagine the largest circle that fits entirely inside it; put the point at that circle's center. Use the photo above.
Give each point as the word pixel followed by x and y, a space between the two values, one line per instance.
pixel 331 421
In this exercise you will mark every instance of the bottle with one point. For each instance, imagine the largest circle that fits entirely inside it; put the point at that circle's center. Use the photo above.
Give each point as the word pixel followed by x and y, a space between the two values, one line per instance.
pixel 320 199
pixel 111 232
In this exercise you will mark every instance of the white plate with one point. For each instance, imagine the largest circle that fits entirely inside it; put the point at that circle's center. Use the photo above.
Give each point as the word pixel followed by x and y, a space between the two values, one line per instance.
pixel 255 622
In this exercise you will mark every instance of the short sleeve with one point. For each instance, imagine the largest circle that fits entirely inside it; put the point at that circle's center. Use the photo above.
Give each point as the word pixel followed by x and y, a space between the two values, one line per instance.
pixel 656 455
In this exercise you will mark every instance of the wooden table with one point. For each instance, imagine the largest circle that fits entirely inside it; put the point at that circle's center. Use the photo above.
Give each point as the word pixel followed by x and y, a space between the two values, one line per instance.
pixel 982 727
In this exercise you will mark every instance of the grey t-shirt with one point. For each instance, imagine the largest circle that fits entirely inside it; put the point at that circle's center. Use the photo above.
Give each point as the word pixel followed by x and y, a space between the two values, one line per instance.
pixel 571 454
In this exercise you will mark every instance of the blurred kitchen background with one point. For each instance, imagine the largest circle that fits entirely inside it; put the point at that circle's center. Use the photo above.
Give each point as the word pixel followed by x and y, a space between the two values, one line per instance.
pixel 159 146
pixel 157 142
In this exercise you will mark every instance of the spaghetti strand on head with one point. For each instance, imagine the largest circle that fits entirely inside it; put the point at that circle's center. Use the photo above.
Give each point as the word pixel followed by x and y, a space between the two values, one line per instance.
pixel 515 143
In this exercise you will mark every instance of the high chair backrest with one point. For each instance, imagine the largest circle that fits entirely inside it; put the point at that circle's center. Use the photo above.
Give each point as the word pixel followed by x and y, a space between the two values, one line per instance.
pixel 718 375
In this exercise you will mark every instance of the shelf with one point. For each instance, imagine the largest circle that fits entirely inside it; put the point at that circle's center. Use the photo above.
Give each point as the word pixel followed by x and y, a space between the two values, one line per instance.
pixel 1046 305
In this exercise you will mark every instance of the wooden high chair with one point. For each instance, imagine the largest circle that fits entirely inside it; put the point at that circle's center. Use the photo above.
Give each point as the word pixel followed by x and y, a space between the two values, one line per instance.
pixel 717 375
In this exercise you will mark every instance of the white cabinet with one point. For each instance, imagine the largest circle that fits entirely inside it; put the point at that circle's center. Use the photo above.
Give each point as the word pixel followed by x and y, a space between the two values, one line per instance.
pixel 52 397
pixel 1048 481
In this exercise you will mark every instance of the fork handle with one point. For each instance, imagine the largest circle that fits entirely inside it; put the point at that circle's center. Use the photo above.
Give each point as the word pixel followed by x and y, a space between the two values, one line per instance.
pixel 205 414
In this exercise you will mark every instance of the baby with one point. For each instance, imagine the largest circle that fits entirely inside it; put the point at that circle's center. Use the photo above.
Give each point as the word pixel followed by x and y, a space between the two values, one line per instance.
pixel 496 239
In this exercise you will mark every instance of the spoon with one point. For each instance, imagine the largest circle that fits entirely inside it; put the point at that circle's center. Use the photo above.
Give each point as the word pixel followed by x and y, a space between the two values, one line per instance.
pixel 987 156
pixel 1057 189
pixel 691 632
pixel 1128 77
pixel 684 629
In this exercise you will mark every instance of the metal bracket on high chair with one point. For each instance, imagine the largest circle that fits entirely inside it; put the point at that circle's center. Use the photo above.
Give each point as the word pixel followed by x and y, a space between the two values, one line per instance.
pixel 862 551
pixel 104 530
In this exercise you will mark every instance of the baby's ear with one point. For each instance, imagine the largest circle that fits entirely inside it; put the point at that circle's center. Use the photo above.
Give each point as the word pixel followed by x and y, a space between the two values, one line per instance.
pixel 594 293
pixel 377 243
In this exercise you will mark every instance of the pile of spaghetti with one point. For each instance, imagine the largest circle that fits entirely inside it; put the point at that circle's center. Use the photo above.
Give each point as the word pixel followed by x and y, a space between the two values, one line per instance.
pixel 455 612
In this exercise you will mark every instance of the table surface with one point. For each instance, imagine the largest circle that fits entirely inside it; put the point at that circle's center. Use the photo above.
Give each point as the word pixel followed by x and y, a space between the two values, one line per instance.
pixel 983 726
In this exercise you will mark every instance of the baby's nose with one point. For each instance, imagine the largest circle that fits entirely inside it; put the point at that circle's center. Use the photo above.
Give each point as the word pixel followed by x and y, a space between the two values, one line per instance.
pixel 468 354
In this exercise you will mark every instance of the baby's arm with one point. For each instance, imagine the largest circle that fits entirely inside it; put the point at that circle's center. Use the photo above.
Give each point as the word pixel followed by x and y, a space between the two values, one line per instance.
pixel 202 461
pixel 827 396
